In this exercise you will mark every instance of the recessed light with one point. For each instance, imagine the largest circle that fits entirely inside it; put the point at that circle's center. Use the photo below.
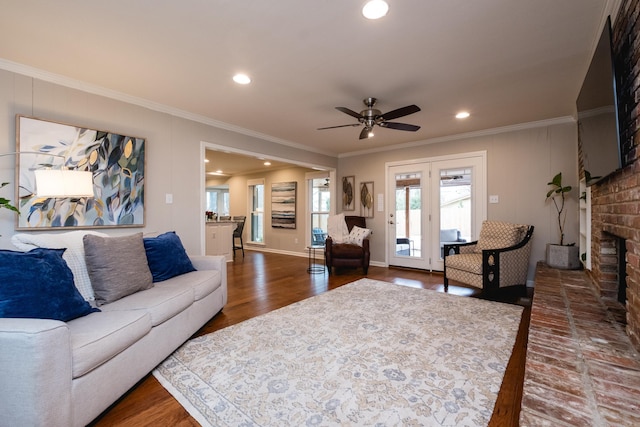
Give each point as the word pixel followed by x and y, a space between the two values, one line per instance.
pixel 267 163
pixel 375 9
pixel 462 115
pixel 206 160
pixel 242 79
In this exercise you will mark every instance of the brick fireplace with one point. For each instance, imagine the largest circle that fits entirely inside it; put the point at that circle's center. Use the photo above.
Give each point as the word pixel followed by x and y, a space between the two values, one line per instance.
pixel 615 200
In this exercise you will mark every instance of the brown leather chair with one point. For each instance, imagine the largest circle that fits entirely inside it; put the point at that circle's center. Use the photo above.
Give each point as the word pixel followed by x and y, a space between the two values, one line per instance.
pixel 348 254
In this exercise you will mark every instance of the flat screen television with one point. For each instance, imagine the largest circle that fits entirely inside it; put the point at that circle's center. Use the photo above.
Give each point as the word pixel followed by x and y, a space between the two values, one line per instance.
pixel 598 113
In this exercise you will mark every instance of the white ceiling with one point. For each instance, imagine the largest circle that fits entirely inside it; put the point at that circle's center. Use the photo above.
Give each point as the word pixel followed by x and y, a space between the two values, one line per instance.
pixel 506 62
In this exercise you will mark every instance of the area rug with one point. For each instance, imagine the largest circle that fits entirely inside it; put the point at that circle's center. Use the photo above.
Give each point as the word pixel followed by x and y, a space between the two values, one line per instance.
pixel 369 353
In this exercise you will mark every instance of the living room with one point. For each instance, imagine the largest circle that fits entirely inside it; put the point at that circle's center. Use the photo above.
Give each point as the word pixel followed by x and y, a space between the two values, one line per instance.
pixel 522 157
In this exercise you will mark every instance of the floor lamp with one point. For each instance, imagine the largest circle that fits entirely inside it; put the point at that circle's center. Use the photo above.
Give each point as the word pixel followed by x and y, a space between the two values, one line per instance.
pixel 63 182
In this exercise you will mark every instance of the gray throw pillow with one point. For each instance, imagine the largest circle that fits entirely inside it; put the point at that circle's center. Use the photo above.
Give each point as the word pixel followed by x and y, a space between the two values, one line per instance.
pixel 117 266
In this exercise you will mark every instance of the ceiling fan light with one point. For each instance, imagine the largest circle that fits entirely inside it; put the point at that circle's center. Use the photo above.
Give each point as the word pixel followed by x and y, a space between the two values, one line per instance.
pixel 370 133
pixel 375 9
pixel 242 79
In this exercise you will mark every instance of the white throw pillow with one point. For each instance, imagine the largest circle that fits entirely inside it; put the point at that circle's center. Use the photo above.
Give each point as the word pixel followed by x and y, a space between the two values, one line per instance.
pixel 74 255
pixel 337 228
pixel 357 235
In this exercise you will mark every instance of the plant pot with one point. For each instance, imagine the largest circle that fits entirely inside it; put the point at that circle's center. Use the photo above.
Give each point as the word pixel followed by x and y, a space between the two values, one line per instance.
pixel 563 257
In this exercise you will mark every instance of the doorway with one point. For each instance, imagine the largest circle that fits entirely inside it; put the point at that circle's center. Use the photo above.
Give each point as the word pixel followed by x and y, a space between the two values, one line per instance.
pixel 433 202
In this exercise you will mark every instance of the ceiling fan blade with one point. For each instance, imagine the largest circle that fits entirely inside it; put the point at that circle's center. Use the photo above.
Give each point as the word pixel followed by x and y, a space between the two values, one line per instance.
pixel 399 126
pixel 365 133
pixel 400 112
pixel 339 126
pixel 349 112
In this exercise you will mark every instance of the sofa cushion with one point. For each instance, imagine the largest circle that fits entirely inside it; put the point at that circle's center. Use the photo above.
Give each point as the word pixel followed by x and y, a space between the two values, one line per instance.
pixel 498 235
pixel 97 338
pixel 166 256
pixel 117 266
pixel 39 284
pixel 74 255
pixel 162 302
pixel 203 282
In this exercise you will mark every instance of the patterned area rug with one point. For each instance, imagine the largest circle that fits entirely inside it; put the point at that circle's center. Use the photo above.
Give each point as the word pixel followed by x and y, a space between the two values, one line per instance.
pixel 368 353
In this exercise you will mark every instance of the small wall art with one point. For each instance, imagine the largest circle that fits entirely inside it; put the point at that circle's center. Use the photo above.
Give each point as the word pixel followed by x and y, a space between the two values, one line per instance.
pixel 348 193
pixel 366 199
pixel 116 161
pixel 283 205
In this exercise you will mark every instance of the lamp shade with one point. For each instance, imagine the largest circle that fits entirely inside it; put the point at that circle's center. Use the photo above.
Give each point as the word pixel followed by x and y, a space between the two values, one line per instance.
pixel 63 183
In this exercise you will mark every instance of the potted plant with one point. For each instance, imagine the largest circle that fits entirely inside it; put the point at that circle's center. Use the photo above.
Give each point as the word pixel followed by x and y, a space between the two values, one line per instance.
pixel 564 256
pixel 4 203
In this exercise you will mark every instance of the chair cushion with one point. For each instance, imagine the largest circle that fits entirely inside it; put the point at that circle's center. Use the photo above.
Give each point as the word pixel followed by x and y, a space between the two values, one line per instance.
pixel 357 235
pixel 466 262
pixel 346 251
pixel 498 235
pixel 449 235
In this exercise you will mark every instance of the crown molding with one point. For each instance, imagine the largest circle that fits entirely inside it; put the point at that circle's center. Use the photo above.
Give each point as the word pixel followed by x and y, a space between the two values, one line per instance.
pixel 155 106
pixel 468 135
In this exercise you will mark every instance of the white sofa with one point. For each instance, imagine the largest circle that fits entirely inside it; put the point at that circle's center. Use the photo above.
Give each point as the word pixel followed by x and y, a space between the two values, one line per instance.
pixel 55 373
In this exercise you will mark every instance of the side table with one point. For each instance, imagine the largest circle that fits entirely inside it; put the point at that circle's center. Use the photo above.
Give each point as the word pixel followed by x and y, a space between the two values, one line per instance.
pixel 314 268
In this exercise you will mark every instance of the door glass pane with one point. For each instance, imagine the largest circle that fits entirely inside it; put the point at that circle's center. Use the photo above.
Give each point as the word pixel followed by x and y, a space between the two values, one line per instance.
pixel 408 214
pixel 455 206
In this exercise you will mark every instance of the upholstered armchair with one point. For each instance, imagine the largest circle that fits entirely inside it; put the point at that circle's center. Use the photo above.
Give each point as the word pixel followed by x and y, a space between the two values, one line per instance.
pixel 345 253
pixel 499 258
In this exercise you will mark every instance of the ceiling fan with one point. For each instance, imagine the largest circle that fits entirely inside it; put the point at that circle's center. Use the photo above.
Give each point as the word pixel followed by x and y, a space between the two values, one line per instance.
pixel 371 117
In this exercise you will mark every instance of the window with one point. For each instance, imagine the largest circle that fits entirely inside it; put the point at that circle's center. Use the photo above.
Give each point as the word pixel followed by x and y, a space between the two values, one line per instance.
pixel 218 200
pixel 320 207
pixel 256 194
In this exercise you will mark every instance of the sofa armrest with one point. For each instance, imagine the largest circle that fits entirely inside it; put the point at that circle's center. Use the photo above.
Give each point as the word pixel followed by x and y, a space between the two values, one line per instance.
pixel 209 262
pixel 213 262
pixel 35 372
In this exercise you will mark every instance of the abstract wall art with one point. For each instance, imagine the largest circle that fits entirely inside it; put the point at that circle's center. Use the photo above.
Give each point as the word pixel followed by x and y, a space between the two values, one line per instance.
pixel 283 205
pixel 116 161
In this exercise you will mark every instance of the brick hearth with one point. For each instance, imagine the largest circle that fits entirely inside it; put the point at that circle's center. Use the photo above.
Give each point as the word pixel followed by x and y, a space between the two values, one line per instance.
pixel 582 368
pixel 615 200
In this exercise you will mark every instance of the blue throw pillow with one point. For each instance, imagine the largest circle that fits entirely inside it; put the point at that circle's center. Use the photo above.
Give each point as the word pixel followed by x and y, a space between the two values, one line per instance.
pixel 166 256
pixel 39 284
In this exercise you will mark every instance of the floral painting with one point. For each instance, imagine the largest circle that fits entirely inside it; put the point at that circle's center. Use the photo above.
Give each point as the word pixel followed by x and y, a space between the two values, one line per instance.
pixel 283 205
pixel 117 164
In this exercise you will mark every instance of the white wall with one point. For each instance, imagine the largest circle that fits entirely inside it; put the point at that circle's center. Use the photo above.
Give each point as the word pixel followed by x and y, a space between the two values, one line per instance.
pixel 173 150
pixel 520 163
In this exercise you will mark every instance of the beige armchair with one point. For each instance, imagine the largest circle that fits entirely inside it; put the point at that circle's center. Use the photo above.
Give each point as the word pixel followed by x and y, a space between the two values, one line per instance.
pixel 499 258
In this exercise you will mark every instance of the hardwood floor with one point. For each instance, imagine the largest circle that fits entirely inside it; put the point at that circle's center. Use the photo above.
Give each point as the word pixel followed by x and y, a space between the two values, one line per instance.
pixel 262 282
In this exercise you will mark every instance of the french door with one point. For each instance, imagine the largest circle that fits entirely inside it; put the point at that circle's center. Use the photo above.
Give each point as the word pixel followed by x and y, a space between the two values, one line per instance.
pixel 432 202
